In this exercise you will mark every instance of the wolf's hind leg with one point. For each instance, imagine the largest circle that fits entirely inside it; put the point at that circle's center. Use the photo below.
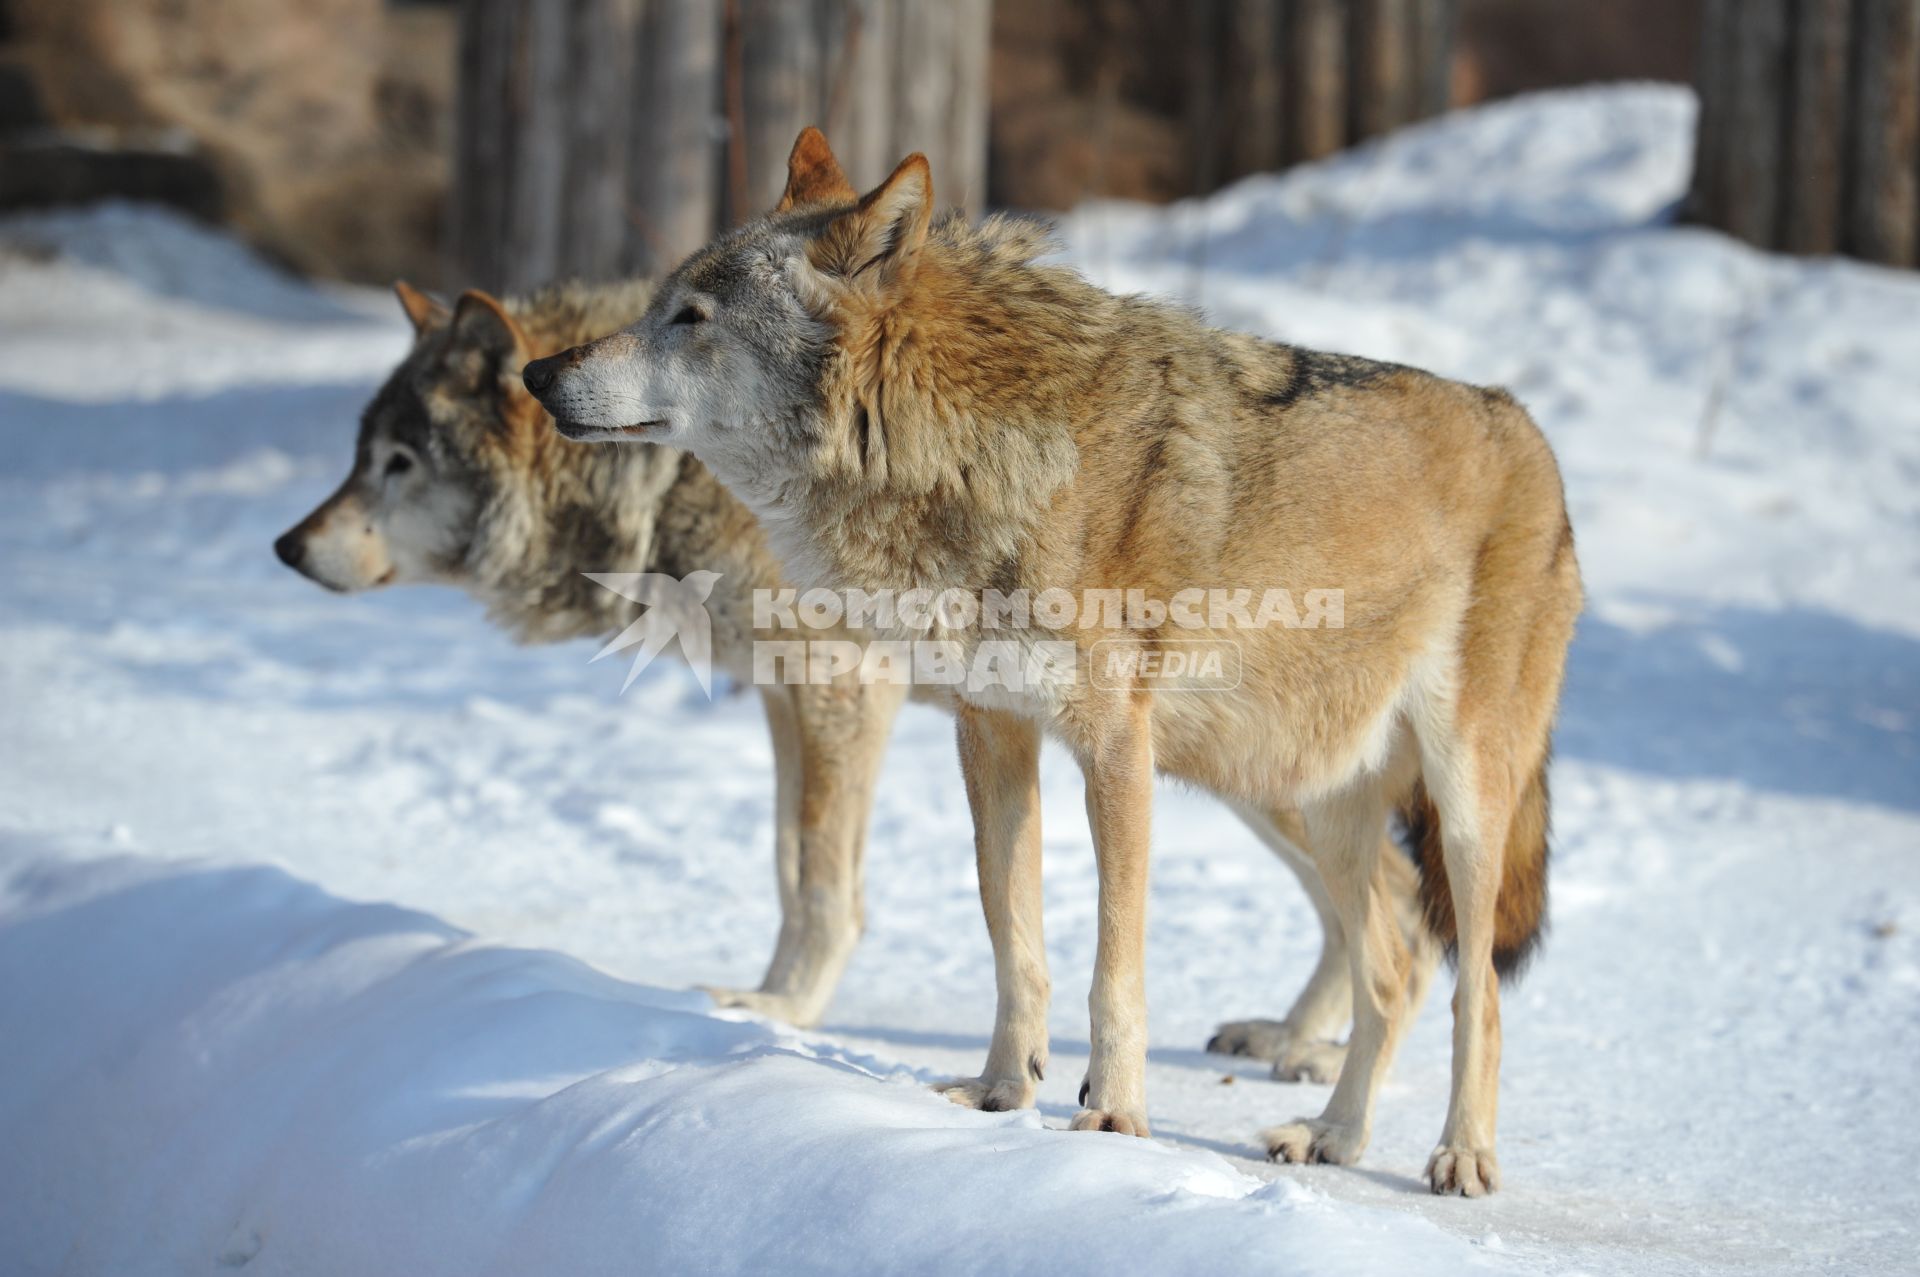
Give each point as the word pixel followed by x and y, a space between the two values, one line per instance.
pixel 1473 803
pixel 828 743
pixel 1000 759
pixel 1345 833
pixel 1304 1045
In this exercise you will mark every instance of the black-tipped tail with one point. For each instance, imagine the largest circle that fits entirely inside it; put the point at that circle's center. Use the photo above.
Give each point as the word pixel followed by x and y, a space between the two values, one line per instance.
pixel 1520 915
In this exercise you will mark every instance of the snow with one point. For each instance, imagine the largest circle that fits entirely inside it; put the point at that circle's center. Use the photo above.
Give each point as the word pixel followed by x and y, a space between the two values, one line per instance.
pixel 341 935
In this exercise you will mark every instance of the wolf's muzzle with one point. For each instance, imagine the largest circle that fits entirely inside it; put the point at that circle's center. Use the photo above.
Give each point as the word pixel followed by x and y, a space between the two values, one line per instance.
pixel 292 549
pixel 539 374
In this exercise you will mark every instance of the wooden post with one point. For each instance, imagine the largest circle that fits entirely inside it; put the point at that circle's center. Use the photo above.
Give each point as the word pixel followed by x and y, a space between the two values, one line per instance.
pixel 483 142
pixel 939 96
pixel 1252 114
pixel 1756 70
pixel 1814 165
pixel 890 77
pixel 857 90
pixel 1706 201
pixel 1434 23
pixel 594 229
pixel 1316 52
pixel 780 79
pixel 1206 120
pixel 591 135
pixel 1809 132
pixel 1884 196
pixel 672 177
pixel 1382 61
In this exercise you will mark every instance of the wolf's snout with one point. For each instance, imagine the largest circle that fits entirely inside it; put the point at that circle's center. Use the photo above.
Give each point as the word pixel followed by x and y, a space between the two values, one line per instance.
pixel 292 549
pixel 539 374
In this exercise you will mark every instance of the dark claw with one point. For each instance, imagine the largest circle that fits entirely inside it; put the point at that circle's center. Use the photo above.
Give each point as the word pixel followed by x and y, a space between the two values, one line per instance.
pixel 1086 1084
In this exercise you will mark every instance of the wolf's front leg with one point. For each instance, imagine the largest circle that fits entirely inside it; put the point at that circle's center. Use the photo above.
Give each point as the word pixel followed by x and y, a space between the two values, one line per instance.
pixel 1000 758
pixel 1119 776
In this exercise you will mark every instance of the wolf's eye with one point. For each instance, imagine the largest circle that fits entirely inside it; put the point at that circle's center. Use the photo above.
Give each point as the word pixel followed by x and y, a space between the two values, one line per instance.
pixel 399 463
pixel 689 315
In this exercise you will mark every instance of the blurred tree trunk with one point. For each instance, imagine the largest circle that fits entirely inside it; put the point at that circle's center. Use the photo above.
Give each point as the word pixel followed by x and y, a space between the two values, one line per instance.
pixel 585 138
pixel 882 78
pixel 592 135
pixel 1816 141
pixel 1255 112
pixel 1884 224
pixel 1435 23
pixel 1316 109
pixel 1754 113
pixel 1275 82
pixel 1809 132
pixel 1382 63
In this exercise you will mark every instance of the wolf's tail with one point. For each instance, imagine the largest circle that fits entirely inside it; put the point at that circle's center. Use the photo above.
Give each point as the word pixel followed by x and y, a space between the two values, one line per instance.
pixel 1520 915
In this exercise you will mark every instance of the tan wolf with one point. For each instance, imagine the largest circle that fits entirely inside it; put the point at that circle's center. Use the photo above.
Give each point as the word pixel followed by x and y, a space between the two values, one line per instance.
pixel 912 405
pixel 459 478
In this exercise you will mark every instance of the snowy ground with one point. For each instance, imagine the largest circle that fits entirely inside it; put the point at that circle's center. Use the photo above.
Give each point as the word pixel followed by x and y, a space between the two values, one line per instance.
pixel 212 1059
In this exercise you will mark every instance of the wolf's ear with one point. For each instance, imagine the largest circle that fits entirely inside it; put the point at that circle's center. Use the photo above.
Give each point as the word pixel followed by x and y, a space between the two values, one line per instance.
pixel 481 323
pixel 484 333
pixel 422 310
pixel 813 175
pixel 883 233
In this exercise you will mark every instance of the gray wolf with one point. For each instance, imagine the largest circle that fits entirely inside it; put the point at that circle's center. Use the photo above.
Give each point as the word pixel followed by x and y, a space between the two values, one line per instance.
pixel 906 403
pixel 459 478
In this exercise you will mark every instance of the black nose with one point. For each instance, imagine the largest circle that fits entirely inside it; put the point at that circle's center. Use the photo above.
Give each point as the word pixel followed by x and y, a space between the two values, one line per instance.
pixel 539 375
pixel 291 549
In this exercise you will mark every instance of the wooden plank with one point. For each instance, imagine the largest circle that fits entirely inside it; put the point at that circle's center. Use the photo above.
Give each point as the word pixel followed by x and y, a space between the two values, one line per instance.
pixel 857 91
pixel 940 94
pixel 589 132
pixel 1206 102
pixel 1755 121
pixel 1435 23
pixel 971 56
pixel 476 212
pixel 1814 166
pixel 541 89
pixel 1316 50
pixel 603 46
pixel 781 77
pixel 1883 218
pixel 1706 201
pixel 1253 115
pixel 1382 60
pixel 676 136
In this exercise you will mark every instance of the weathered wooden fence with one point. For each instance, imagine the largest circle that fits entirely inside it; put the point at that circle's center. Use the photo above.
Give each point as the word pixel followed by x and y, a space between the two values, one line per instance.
pixel 603 138
pixel 1275 82
pixel 1809 136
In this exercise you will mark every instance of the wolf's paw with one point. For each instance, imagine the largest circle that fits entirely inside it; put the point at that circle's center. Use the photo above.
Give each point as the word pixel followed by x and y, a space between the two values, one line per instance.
pixel 1261 1039
pixel 1312 1140
pixel 1311 1062
pixel 989 1094
pixel 1456 1170
pixel 1124 1121
pixel 800 1012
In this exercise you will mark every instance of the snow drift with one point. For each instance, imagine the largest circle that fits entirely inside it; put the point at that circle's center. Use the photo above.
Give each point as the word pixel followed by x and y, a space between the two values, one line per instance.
pixel 226 1067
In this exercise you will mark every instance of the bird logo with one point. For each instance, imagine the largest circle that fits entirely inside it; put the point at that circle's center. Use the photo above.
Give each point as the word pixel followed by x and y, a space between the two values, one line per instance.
pixel 674 608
